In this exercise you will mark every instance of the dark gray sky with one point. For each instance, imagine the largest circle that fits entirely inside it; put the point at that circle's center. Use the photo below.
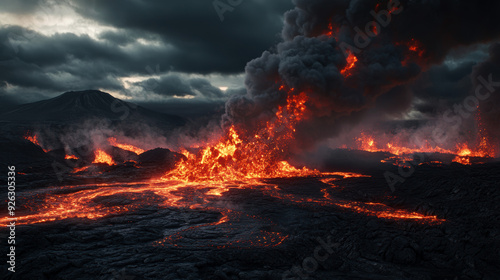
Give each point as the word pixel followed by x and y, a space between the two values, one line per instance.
pixel 147 51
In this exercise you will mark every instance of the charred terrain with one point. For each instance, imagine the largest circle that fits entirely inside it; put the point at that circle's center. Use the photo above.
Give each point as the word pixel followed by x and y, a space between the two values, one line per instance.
pixel 113 214
pixel 362 143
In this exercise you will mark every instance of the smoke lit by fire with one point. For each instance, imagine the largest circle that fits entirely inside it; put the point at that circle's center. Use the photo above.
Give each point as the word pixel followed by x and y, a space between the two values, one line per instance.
pixel 351 62
pixel 309 79
pixel 33 139
pixel 403 154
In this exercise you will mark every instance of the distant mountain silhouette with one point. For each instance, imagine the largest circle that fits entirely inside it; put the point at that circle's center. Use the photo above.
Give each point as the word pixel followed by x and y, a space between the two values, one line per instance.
pixel 79 105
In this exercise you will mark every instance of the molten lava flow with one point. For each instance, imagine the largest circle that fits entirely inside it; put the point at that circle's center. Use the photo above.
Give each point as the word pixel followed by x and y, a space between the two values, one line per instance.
pixel 127 147
pixel 351 62
pixel 402 154
pixel 379 210
pixel 240 228
pixel 258 156
pixel 90 202
pixel 102 157
pixel 70 157
pixel 484 149
pixel 81 169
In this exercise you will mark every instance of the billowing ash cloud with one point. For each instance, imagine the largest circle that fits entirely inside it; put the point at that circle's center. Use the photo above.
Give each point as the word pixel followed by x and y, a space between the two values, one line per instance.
pixel 392 43
pixel 487 84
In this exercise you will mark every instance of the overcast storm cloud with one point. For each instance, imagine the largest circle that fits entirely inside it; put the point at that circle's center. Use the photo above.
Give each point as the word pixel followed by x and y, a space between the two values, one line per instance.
pixel 151 52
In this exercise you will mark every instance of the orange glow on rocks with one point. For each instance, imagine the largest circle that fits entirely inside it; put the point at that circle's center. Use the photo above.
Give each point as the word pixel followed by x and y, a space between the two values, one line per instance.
pixel 127 147
pixel 102 157
pixel 367 143
pixel 403 154
pixel 33 139
pixel 351 62
pixel 260 156
pixel 236 161
pixel 89 202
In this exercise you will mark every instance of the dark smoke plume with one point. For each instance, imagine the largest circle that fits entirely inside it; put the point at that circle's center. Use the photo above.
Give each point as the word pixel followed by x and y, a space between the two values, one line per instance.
pixel 318 36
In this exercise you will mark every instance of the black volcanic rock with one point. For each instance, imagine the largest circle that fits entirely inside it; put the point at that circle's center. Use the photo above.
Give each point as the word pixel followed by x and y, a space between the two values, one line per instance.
pixel 159 157
pixel 78 105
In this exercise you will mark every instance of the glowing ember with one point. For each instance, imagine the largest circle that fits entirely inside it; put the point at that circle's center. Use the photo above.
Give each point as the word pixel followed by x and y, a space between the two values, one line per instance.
pixel 33 139
pixel 374 30
pixel 403 154
pixel 236 161
pixel 379 210
pixel 102 157
pixel 351 62
pixel 82 201
pixel 483 149
pixel 127 147
pixel 260 156
pixel 329 33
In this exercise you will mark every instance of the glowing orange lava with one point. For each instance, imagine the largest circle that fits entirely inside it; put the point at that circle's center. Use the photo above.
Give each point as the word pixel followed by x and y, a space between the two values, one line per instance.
pixel 375 30
pixel 329 33
pixel 70 157
pixel 367 143
pixel 102 157
pixel 127 147
pixel 259 156
pixel 89 201
pixel 484 149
